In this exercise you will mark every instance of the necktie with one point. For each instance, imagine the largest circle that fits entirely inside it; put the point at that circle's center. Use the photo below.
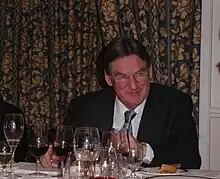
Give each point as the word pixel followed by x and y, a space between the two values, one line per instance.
pixel 129 115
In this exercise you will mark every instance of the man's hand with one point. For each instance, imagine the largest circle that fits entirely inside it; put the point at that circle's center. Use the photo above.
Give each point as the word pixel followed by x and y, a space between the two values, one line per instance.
pixel 123 141
pixel 49 159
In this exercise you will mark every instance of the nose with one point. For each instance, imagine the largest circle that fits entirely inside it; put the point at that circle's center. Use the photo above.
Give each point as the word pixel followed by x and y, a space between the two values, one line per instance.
pixel 133 82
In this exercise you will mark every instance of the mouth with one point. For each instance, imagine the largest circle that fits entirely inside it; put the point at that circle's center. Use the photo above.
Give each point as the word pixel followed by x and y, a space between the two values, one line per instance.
pixel 134 93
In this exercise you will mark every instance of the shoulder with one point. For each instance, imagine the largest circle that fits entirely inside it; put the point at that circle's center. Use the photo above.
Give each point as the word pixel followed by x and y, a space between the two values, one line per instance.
pixel 169 94
pixel 93 97
pixel 10 108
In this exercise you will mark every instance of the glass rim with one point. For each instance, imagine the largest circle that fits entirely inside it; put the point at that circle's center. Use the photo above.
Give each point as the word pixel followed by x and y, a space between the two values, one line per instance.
pixel 77 128
pixel 13 114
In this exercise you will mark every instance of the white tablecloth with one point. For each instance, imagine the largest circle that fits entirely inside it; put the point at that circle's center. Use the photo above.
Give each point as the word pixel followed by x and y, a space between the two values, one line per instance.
pixel 190 174
pixel 24 169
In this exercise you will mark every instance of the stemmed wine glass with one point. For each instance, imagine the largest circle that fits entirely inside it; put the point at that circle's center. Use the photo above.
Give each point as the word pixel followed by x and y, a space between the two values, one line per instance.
pixel 107 164
pixel 86 143
pixel 38 145
pixel 13 128
pixel 111 139
pixel 134 160
pixel 5 156
pixel 63 144
pixel 130 150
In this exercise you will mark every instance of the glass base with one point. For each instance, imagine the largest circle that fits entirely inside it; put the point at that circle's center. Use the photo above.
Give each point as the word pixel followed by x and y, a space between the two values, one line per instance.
pixel 38 175
pixel 13 176
pixel 133 177
pixel 58 176
pixel 4 175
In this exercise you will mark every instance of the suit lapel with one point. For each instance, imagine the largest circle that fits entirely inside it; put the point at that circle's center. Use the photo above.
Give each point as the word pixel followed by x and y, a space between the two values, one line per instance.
pixel 105 114
pixel 149 119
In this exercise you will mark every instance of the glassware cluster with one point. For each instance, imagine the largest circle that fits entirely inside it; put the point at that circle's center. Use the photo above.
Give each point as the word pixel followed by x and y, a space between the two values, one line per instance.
pixel 96 157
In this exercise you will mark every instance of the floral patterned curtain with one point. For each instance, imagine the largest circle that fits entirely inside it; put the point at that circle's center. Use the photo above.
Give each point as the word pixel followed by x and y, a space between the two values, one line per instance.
pixel 48 48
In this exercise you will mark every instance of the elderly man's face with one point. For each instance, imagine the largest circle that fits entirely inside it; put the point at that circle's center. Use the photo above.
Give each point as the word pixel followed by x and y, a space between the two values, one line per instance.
pixel 130 79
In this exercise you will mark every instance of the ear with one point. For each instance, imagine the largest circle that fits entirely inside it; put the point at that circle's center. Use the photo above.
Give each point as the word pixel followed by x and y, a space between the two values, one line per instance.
pixel 108 79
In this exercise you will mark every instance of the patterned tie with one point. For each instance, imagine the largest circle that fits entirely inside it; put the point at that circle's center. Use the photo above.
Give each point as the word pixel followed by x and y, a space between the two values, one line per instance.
pixel 129 115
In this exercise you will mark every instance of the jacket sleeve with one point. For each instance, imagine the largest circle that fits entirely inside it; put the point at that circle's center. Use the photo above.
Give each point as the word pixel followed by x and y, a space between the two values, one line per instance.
pixel 183 146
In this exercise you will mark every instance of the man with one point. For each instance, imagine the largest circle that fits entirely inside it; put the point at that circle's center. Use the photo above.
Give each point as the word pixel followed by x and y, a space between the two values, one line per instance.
pixel 162 123
pixel 22 148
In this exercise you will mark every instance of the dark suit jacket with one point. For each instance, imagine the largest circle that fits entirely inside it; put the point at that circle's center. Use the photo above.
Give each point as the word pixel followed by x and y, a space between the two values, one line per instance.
pixel 166 124
pixel 22 148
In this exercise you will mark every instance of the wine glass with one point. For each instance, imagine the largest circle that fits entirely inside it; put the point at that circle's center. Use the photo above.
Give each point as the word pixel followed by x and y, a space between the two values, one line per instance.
pixel 5 156
pixel 131 151
pixel 107 165
pixel 134 160
pixel 111 139
pixel 38 145
pixel 63 144
pixel 86 143
pixel 13 128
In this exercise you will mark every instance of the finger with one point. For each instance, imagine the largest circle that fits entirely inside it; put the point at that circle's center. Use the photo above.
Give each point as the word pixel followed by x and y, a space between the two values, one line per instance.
pixel 133 142
pixel 124 137
pixel 115 138
pixel 55 165
pixel 49 150
pixel 55 157
pixel 129 141
pixel 45 161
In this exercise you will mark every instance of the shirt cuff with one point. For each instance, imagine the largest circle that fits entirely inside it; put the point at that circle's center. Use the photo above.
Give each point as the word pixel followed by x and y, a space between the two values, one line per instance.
pixel 149 154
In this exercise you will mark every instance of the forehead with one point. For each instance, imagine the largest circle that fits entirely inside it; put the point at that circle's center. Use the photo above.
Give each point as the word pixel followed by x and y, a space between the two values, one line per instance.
pixel 131 63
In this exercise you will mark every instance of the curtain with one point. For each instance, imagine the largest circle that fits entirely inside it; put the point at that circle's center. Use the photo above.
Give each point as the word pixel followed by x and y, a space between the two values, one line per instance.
pixel 48 48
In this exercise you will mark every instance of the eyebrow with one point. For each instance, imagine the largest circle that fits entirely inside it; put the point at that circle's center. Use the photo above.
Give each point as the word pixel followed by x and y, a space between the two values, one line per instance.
pixel 120 73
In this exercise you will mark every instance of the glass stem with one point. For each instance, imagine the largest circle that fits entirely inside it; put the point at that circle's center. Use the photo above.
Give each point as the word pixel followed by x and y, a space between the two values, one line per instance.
pixel 12 163
pixel 37 165
pixel 62 168
pixel 133 174
pixel 13 160
pixel 4 171
pixel 93 169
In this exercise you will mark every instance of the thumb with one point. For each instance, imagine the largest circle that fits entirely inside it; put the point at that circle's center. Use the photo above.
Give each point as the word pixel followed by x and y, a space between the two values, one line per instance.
pixel 45 160
pixel 49 151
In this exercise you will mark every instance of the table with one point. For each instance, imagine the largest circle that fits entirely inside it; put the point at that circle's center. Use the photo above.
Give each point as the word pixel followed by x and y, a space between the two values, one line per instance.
pixel 24 169
pixel 190 174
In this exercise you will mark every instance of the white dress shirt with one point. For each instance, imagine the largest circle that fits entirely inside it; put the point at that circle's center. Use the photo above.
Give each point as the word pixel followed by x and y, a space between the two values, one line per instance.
pixel 119 119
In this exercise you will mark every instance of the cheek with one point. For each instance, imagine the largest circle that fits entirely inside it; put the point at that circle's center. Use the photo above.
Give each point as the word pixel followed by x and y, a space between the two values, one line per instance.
pixel 145 87
pixel 120 90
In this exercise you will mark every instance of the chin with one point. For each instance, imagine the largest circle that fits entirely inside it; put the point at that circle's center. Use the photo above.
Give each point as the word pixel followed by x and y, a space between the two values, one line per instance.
pixel 134 102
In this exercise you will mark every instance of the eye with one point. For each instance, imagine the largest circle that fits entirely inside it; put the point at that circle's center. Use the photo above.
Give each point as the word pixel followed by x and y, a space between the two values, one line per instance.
pixel 141 73
pixel 121 77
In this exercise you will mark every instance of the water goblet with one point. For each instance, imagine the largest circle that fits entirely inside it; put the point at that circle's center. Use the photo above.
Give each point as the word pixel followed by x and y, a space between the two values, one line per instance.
pixel 134 159
pixel 13 128
pixel 112 139
pixel 107 165
pixel 86 144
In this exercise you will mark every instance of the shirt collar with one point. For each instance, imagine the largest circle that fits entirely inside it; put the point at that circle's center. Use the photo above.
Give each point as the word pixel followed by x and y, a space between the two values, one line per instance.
pixel 121 108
